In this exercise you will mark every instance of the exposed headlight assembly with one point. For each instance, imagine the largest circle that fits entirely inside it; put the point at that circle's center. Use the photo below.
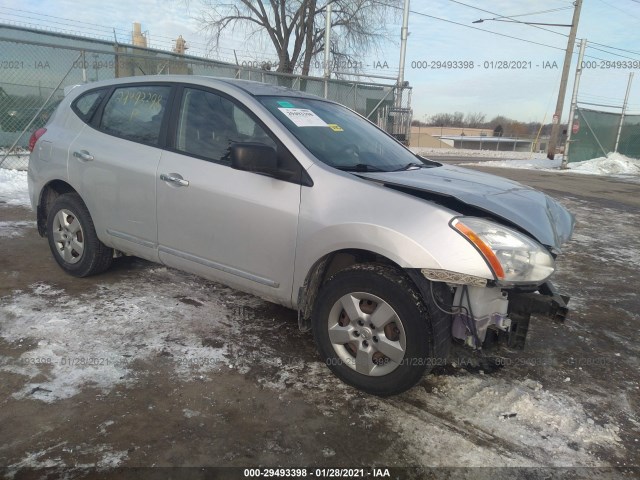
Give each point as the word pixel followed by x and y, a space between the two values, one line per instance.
pixel 513 257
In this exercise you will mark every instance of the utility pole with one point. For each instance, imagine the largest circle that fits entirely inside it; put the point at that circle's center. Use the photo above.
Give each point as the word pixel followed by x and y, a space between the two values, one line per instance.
pixel 401 118
pixel 327 44
pixel 404 33
pixel 624 109
pixel 555 130
pixel 574 104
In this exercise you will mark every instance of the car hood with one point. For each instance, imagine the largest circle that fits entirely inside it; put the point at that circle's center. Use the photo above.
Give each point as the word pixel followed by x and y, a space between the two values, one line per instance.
pixel 529 209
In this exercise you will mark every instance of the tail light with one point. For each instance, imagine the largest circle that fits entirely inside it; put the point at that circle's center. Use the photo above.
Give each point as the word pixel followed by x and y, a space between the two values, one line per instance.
pixel 34 138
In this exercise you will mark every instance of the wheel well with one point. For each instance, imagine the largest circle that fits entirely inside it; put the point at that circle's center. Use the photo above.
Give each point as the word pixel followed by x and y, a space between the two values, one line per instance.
pixel 50 192
pixel 326 267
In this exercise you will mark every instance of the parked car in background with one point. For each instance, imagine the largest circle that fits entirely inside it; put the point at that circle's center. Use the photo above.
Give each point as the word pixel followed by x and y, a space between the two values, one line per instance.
pixel 387 256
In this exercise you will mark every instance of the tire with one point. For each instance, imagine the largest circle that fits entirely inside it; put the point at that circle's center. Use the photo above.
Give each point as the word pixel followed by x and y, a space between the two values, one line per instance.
pixel 391 318
pixel 73 240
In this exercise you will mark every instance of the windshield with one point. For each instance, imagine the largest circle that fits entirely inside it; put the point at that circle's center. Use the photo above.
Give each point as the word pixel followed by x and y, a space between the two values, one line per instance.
pixel 339 137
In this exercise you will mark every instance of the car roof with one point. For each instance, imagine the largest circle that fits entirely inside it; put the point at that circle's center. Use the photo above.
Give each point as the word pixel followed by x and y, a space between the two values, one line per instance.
pixel 255 89
pixel 258 89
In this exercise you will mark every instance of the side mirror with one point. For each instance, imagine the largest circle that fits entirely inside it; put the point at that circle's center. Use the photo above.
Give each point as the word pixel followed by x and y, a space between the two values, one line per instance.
pixel 254 157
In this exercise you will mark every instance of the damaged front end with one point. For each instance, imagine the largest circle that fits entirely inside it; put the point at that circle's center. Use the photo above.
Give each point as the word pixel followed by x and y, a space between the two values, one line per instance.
pixel 500 310
pixel 487 312
pixel 488 316
pixel 515 230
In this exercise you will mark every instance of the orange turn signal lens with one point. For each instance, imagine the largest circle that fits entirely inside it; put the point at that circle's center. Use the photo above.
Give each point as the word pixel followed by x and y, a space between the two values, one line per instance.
pixel 482 246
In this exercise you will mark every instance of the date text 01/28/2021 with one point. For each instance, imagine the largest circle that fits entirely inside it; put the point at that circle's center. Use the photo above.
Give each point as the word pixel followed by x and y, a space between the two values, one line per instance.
pixel 316 472
pixel 503 64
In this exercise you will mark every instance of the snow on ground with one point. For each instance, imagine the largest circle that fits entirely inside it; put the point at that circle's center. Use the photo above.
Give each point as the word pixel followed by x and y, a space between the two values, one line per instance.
pixel 15 229
pixel 110 334
pixel 523 424
pixel 107 459
pixel 618 243
pixel 94 339
pixel 13 188
pixel 614 164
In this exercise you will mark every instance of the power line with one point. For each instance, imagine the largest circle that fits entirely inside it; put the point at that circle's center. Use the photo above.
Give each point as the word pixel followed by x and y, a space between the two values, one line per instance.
pixel 613 48
pixel 474 28
pixel 548 30
pixel 521 15
pixel 611 53
pixel 619 9
pixel 12 10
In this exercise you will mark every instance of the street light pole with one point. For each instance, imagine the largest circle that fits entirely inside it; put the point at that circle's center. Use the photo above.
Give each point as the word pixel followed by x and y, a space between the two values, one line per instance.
pixel 555 129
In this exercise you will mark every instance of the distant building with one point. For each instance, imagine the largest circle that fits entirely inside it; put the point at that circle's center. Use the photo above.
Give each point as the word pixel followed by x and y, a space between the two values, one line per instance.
pixel 420 138
pixel 453 131
pixel 490 143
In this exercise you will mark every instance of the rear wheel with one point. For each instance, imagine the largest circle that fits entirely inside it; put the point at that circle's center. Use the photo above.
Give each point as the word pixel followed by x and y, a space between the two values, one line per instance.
pixel 372 329
pixel 73 240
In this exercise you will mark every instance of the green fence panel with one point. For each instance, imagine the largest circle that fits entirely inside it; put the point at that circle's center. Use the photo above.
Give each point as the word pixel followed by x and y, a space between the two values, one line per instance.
pixel 596 136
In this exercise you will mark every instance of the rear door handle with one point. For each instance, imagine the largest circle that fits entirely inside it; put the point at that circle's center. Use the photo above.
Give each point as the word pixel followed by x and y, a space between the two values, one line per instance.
pixel 83 155
pixel 174 178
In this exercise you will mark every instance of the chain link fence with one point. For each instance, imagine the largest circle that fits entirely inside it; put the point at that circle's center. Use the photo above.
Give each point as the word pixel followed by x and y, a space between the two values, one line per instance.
pixel 36 66
pixel 597 132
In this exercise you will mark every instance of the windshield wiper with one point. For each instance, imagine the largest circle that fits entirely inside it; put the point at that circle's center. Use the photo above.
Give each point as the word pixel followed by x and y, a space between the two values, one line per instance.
pixel 411 165
pixel 360 167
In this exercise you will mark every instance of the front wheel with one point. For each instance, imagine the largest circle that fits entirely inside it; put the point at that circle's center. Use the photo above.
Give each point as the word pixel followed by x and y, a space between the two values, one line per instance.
pixel 73 240
pixel 373 329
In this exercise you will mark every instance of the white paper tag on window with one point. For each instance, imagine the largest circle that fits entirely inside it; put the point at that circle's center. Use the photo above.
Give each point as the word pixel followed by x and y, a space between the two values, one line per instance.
pixel 303 117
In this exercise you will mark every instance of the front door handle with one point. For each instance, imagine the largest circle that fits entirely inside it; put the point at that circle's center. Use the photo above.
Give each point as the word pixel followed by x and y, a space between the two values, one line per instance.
pixel 174 178
pixel 83 155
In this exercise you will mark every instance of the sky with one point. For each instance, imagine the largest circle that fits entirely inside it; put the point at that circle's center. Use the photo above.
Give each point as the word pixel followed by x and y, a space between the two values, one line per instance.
pixel 527 94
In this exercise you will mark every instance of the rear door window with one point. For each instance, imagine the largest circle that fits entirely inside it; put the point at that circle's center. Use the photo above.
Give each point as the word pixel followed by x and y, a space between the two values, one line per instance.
pixel 136 112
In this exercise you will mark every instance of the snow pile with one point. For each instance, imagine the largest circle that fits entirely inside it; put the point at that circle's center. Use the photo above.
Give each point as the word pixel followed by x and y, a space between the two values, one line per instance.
pixel 533 164
pixel 461 152
pixel 13 188
pixel 612 164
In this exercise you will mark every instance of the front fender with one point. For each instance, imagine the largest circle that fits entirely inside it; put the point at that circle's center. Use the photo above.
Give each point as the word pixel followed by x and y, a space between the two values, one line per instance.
pixel 438 248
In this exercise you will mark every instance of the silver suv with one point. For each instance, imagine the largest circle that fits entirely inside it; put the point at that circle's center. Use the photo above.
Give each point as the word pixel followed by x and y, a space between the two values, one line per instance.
pixel 387 256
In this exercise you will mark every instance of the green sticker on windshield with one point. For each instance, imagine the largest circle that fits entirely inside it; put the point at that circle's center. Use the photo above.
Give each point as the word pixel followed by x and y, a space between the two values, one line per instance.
pixel 285 104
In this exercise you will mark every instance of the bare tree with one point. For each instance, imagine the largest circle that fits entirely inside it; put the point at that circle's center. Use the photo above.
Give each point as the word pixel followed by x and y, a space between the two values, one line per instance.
pixel 474 119
pixel 441 120
pixel 296 27
pixel 457 120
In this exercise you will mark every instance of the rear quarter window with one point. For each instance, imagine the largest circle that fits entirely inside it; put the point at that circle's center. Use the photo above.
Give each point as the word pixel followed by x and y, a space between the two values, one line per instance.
pixel 87 104
pixel 136 113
